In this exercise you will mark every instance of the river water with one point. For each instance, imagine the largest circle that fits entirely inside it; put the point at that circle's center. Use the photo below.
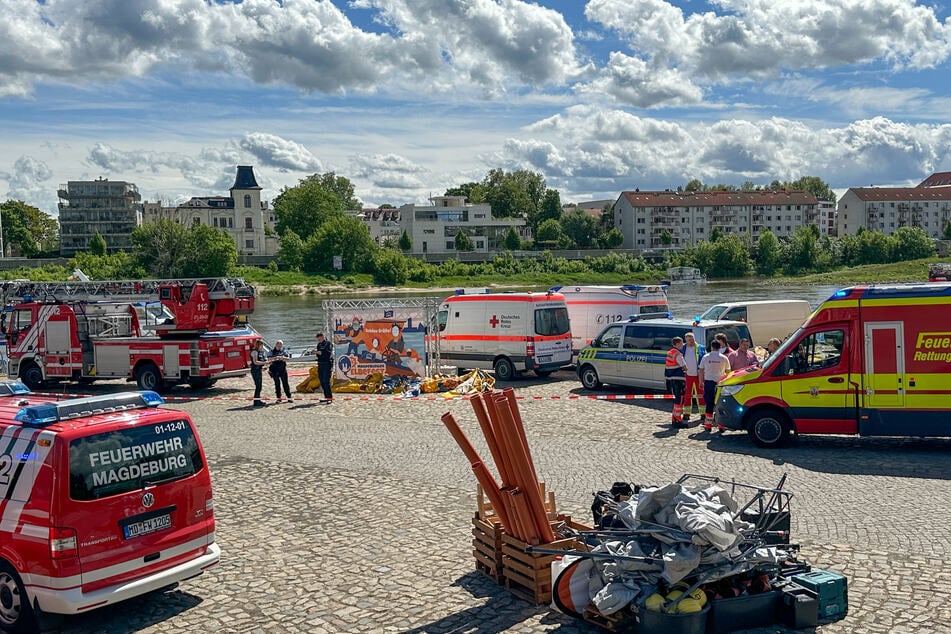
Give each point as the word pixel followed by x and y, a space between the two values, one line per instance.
pixel 297 318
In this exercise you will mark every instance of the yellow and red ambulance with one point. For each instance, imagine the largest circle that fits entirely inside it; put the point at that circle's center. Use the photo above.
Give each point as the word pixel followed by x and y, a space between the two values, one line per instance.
pixel 871 360
pixel 101 499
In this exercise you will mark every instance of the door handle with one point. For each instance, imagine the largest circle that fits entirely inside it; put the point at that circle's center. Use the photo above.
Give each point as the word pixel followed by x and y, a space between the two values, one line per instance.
pixel 836 379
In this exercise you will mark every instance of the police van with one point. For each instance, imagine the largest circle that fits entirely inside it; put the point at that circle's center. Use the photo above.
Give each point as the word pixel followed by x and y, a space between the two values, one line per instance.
pixel 633 353
pixel 505 332
pixel 101 499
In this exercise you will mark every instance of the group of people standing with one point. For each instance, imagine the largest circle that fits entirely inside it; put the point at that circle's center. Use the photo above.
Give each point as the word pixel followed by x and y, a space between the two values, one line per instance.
pixel 690 368
pixel 276 363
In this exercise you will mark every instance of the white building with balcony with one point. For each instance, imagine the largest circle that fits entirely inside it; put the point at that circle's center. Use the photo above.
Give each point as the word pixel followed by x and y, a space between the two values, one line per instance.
pixel 433 227
pixel 885 209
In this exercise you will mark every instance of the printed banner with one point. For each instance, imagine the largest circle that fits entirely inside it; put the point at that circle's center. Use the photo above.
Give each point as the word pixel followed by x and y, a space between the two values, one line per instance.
pixel 390 341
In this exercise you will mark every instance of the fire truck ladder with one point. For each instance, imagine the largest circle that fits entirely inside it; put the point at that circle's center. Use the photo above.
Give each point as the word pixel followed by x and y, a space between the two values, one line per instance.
pixel 118 290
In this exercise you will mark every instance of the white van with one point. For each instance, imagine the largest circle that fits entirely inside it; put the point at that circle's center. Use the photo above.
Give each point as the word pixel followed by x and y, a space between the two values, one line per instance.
pixel 766 319
pixel 591 308
pixel 505 332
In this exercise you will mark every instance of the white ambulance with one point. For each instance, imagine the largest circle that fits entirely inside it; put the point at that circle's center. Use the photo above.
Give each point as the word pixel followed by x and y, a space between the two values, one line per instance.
pixel 591 308
pixel 505 332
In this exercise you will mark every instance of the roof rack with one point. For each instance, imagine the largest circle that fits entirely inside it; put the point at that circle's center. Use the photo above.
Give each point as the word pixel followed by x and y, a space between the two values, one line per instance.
pixel 47 413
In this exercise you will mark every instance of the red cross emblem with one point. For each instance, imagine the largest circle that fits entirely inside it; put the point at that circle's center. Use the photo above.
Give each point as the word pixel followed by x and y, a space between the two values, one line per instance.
pixel 494 321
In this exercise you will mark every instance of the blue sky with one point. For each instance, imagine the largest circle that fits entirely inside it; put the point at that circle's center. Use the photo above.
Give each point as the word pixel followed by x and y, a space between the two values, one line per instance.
pixel 409 97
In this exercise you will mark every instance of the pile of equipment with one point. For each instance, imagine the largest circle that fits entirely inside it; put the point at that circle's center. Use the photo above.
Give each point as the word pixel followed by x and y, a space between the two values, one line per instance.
pixel 473 382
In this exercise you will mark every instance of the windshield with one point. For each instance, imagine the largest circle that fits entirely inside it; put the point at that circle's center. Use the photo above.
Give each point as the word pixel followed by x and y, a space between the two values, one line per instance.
pixel 120 461
pixel 550 322
pixel 713 313
pixel 782 351
pixel 657 309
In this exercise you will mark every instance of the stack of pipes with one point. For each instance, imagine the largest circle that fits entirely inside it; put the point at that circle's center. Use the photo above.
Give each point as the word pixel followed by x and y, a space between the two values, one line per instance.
pixel 518 500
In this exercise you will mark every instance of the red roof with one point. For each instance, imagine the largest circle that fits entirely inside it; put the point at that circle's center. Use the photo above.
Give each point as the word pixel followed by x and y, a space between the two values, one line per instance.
pixel 718 198
pixel 938 179
pixel 880 194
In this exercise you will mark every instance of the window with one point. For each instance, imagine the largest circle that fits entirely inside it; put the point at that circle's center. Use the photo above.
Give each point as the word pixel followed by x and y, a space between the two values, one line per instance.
pixel 817 351
pixel 117 462
pixel 247 201
pixel 249 223
pixel 450 244
pixel 196 221
pixel 249 244
pixel 611 337
pixel 551 322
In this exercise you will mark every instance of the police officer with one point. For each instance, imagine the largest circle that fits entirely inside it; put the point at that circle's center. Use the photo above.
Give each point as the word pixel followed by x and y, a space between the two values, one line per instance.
pixel 324 366
pixel 278 370
pixel 674 366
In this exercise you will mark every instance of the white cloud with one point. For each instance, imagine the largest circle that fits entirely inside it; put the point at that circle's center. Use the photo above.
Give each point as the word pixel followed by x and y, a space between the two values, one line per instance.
pixel 274 151
pixel 643 84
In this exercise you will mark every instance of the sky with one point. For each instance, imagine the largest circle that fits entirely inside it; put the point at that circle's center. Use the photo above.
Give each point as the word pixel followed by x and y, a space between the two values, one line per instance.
pixel 408 98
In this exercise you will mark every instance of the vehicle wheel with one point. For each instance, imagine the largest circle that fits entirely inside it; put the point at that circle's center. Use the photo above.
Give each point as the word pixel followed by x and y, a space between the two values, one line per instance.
pixel 544 373
pixel 769 428
pixel 16 613
pixel 589 378
pixel 201 383
pixel 148 378
pixel 85 380
pixel 504 370
pixel 31 375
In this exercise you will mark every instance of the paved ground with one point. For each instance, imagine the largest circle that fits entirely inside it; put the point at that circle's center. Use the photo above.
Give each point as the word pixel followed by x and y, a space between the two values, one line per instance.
pixel 355 517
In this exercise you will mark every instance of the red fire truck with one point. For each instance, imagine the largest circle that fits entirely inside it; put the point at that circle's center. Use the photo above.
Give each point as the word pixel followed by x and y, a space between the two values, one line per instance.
pixel 158 333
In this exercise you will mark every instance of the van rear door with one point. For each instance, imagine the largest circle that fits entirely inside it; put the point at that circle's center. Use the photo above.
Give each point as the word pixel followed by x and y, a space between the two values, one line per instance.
pixel 138 498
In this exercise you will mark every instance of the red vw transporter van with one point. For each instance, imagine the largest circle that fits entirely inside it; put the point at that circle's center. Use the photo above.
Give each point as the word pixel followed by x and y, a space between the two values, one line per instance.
pixel 101 499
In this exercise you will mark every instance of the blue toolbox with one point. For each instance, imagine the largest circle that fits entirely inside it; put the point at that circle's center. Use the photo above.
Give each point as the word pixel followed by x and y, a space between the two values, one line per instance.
pixel 831 590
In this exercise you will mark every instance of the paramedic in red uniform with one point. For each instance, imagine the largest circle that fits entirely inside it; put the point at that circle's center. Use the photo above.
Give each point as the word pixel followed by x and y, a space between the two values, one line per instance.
pixel 712 367
pixel 692 352
pixel 674 366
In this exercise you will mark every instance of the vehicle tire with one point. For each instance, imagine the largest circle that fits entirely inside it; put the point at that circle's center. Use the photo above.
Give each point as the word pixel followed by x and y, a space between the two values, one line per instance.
pixel 544 373
pixel 16 613
pixel 85 380
pixel 201 383
pixel 147 377
pixel 769 428
pixel 504 370
pixel 589 378
pixel 31 375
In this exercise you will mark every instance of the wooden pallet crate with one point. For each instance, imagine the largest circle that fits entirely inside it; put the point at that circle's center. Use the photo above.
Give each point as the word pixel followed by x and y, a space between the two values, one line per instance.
pixel 486 511
pixel 528 575
pixel 487 546
pixel 622 621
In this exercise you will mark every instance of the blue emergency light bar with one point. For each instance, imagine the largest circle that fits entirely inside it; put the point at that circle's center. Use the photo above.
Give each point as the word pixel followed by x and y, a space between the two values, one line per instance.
pixel 47 413
pixel 13 388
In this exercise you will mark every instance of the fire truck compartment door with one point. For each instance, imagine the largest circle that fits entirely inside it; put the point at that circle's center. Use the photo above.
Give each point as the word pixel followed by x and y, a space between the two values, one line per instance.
pixel 884 365
pixel 57 338
pixel 170 360
pixel 112 360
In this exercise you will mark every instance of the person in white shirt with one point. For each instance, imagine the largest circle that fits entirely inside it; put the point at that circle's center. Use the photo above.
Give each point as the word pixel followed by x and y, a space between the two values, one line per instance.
pixel 713 365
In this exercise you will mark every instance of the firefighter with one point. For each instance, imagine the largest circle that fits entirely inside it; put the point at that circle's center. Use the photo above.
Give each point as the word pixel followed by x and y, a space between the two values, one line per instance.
pixel 674 366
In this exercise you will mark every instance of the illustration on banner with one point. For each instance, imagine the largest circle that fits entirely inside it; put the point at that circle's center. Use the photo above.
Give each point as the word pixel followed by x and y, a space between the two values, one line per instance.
pixel 391 345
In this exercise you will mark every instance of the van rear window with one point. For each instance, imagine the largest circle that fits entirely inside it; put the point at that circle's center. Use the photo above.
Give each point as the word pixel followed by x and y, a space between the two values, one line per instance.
pixel 116 462
pixel 550 322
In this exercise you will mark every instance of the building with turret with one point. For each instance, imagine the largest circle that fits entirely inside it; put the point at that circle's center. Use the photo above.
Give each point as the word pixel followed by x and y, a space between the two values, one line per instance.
pixel 242 215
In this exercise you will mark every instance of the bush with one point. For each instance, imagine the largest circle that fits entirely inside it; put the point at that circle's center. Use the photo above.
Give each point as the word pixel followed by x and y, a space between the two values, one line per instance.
pixel 390 268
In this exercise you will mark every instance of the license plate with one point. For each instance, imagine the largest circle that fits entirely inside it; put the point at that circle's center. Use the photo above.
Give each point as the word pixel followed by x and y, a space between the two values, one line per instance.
pixel 545 359
pixel 145 527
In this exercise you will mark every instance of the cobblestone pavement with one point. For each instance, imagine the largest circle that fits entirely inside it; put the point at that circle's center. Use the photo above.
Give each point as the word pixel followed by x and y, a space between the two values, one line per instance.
pixel 355 516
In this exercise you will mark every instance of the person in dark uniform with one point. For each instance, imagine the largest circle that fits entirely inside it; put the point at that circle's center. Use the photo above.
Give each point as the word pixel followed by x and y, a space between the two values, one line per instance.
pixel 278 369
pixel 325 366
pixel 258 363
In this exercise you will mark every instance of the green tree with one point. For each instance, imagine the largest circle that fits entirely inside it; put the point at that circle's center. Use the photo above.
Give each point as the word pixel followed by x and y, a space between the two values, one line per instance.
pixel 728 257
pixel 462 241
pixel 550 208
pixel 406 243
pixel 695 185
pixel 32 231
pixel 512 242
pixel 211 252
pixel 666 238
pixel 514 194
pixel 291 251
pixel 390 268
pixel 160 248
pixel 549 234
pixel 341 235
pixel 803 252
pixel 474 192
pixel 314 201
pixel 579 227
pixel 613 239
pixel 121 265
pixel 910 243
pixel 768 254
pixel 716 234
pixel 946 231
pixel 97 245
pixel 814 185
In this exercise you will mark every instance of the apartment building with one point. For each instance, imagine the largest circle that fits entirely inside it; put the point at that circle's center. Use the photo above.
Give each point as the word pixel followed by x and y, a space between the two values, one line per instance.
pixel 382 224
pixel 110 208
pixel 885 209
pixel 433 227
pixel 242 215
pixel 646 219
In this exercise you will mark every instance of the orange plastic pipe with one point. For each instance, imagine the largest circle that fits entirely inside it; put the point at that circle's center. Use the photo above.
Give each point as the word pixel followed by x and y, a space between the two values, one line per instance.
pixel 509 395
pixel 461 439
pixel 502 441
pixel 484 476
pixel 521 501
pixel 482 415
pixel 527 483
